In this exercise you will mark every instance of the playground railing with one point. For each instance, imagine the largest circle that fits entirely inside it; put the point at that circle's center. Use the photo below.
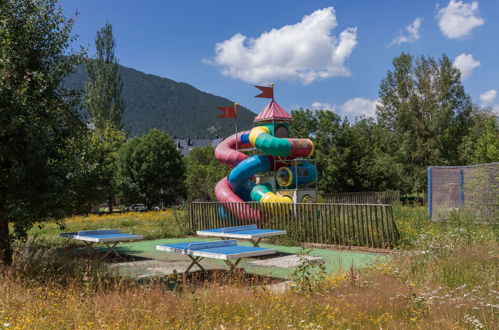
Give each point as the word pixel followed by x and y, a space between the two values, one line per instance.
pixel 366 197
pixel 347 225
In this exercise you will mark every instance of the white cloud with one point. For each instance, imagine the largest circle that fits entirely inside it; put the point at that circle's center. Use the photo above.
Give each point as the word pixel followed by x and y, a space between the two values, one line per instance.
pixel 358 106
pixel 323 106
pixel 458 19
pixel 305 51
pixel 465 63
pixel 488 97
pixel 411 33
pixel 488 100
pixel 352 108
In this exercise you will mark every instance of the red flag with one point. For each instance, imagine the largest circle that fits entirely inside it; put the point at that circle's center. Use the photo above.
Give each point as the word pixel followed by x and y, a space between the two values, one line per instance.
pixel 228 112
pixel 267 92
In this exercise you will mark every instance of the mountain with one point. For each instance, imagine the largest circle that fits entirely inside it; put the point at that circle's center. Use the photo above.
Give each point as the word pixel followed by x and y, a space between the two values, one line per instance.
pixel 175 107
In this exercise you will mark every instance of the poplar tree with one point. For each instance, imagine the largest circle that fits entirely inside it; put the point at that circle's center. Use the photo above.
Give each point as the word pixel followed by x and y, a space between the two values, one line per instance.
pixel 103 89
pixel 105 105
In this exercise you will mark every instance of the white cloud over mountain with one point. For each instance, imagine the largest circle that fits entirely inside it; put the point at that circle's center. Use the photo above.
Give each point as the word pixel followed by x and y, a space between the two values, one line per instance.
pixel 410 34
pixel 466 63
pixel 306 51
pixel 458 19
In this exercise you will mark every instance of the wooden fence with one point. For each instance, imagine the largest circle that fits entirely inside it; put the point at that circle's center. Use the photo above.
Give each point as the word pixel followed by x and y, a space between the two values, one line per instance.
pixel 366 225
pixel 367 197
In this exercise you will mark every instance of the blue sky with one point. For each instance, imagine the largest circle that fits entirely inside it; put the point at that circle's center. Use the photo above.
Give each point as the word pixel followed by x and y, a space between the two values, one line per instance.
pixel 328 54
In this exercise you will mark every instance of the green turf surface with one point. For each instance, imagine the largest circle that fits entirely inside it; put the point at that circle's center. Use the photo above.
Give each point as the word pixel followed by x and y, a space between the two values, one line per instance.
pixel 335 260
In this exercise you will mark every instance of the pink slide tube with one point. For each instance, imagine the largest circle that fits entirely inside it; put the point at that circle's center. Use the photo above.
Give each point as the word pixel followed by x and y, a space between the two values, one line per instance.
pixel 226 153
pixel 234 204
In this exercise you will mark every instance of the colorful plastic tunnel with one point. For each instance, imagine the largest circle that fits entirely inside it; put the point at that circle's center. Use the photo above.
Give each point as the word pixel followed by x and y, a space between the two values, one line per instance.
pixel 238 188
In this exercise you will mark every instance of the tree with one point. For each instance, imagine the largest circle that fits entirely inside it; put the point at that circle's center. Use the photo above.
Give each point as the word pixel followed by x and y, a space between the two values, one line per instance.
pixel 331 147
pixel 203 172
pixel 104 103
pixel 481 145
pixel 36 116
pixel 151 170
pixel 350 157
pixel 103 89
pixel 92 158
pixel 424 104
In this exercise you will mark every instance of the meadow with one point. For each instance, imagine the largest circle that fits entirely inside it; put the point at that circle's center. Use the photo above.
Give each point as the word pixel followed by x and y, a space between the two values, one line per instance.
pixel 442 276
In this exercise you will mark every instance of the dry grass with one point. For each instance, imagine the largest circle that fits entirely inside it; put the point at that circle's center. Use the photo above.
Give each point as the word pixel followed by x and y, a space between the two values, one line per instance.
pixel 371 301
pixel 446 280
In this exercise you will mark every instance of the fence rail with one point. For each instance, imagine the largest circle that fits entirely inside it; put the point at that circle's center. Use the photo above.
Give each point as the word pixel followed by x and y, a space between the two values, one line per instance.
pixel 367 197
pixel 366 225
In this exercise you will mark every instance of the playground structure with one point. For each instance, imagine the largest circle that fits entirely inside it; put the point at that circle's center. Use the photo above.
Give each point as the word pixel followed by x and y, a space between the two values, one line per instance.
pixel 277 172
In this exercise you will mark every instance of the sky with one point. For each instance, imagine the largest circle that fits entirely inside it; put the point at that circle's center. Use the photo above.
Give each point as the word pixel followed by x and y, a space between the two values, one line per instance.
pixel 320 54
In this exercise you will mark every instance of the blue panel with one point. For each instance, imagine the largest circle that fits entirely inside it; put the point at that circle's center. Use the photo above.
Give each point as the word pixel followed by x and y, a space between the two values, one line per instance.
pixel 429 193
pixel 183 246
pixel 241 232
pixel 214 230
pixel 246 169
pixel 224 250
pixel 254 232
pixel 227 251
pixel 461 188
pixel 109 236
pixel 245 139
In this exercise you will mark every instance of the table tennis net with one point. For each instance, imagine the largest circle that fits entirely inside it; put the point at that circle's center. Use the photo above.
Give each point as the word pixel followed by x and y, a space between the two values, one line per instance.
pixel 239 228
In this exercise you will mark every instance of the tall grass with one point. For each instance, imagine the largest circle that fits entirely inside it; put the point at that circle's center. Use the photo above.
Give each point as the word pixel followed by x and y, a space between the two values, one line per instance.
pixel 445 278
pixel 152 225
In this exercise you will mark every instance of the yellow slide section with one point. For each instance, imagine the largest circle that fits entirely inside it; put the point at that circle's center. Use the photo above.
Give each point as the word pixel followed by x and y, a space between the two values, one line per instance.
pixel 271 197
pixel 255 132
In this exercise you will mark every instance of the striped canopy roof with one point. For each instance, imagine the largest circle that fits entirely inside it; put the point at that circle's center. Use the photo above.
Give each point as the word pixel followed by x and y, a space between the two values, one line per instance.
pixel 273 111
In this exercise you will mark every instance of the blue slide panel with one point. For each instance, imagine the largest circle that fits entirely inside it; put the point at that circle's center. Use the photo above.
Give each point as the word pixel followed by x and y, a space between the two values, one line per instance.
pixel 306 173
pixel 245 138
pixel 246 169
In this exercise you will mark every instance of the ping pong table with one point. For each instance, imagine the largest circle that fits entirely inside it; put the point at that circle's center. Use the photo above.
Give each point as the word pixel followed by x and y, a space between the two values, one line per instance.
pixel 224 250
pixel 250 233
pixel 109 237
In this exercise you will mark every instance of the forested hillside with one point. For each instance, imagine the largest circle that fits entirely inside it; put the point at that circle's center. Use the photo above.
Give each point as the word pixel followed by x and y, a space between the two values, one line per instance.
pixel 178 108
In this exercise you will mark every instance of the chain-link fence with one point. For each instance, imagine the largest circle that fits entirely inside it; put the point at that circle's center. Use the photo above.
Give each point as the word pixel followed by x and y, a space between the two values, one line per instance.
pixel 473 190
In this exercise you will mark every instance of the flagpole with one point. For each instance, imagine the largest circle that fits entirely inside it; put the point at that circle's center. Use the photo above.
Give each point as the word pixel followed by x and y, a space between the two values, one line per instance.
pixel 235 120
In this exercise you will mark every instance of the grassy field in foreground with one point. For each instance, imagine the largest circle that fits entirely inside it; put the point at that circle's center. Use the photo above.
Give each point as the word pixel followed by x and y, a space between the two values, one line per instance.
pixel 445 278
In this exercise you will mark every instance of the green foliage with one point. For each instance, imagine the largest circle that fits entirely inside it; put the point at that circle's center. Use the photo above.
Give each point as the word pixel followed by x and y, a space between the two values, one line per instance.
pixel 309 274
pixel 350 157
pixel 151 170
pixel 482 143
pixel 202 173
pixel 37 119
pixel 103 89
pixel 106 144
pixel 156 102
pixel 425 118
pixel 425 105
pixel 84 160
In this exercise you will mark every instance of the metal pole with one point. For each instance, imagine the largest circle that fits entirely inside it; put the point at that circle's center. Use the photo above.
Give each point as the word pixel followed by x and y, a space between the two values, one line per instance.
pixel 235 120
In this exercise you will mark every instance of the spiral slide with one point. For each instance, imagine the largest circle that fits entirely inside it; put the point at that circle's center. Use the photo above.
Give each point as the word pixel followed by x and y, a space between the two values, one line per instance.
pixel 238 186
